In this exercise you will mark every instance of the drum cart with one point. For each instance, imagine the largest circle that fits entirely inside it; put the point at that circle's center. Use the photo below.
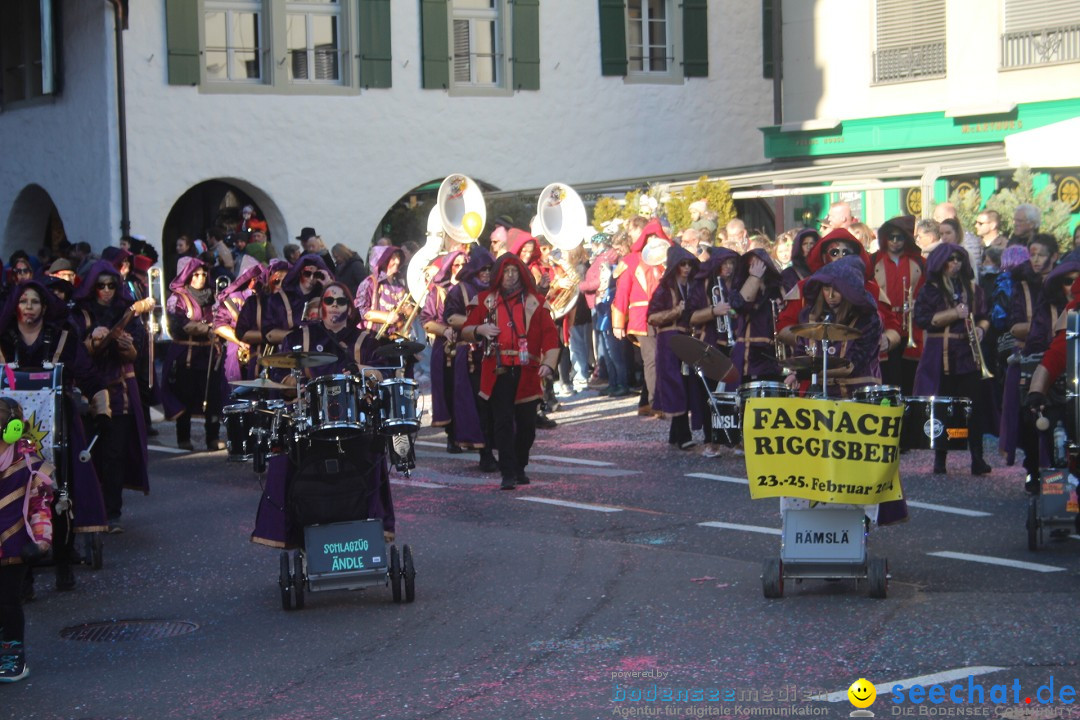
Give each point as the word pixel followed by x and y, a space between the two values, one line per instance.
pixel 802 558
pixel 1053 509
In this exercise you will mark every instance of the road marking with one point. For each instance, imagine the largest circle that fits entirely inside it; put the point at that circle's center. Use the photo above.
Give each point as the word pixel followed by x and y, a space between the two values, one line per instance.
pixel 947 509
pixel 417 483
pixel 721 478
pixel 566 503
pixel 924 680
pixel 170 450
pixel 1037 567
pixel 572 461
pixel 746 528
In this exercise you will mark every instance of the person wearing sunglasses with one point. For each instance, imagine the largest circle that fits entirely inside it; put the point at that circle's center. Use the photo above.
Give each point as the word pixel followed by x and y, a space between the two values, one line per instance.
pixel 949 366
pixel 898 268
pixel 119 455
pixel 191 368
pixel 227 307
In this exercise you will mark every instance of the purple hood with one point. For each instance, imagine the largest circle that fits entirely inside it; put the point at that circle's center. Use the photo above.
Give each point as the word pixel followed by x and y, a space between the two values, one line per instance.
pixel 846 275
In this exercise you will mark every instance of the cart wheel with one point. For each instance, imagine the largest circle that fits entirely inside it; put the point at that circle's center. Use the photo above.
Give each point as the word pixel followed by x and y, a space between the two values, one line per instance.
pixel 298 580
pixel 772 578
pixel 96 551
pixel 1033 523
pixel 877 576
pixel 408 572
pixel 285 582
pixel 395 573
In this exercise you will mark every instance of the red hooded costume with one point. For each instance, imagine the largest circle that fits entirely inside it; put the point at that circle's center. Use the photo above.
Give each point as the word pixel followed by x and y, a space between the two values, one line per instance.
pixel 636 284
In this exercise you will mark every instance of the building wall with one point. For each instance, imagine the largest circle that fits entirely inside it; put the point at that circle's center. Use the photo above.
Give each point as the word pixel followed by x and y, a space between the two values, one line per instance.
pixel 339 163
pixel 828 64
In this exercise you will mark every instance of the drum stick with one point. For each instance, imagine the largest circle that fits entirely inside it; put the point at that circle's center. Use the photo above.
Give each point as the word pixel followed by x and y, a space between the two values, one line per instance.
pixel 1042 424
pixel 84 455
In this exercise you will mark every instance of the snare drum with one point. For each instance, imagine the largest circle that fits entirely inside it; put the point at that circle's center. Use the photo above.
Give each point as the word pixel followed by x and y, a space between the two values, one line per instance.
pixel 336 406
pixel 763 389
pixel 397 406
pixel 727 428
pixel 935 423
pixel 887 395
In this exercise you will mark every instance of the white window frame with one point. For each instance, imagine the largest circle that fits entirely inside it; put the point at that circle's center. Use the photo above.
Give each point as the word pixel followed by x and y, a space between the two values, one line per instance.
pixel 673 25
pixel 309 11
pixel 36 68
pixel 230 8
pixel 500 17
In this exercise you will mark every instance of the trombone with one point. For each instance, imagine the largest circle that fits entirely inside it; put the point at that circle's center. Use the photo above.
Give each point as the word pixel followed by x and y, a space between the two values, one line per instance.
pixel 406 298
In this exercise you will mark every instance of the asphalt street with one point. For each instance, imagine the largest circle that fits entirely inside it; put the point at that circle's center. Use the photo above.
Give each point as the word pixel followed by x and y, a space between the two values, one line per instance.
pixel 626 568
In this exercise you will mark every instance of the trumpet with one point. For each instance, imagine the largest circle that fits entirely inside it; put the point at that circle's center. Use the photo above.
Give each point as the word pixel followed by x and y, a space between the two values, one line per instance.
pixel 406 298
pixel 157 323
pixel 908 311
pixel 778 345
pixel 976 349
pixel 723 322
pixel 491 345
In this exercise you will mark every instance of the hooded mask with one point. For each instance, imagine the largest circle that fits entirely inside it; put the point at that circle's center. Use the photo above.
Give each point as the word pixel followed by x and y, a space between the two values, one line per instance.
pixel 819 258
pixel 847 275
pixel 675 255
pixel 55 309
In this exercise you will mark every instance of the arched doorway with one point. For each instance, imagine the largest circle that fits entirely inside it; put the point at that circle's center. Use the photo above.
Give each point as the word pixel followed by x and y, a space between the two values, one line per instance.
pixel 217 204
pixel 34 222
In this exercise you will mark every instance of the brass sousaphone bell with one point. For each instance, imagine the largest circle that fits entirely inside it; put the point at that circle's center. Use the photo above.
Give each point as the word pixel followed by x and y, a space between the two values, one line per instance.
pixel 561 218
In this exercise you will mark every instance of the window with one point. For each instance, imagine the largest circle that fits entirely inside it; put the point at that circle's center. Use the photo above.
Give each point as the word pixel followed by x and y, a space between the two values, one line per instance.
pixel 279 46
pixel 27 50
pixel 480 46
pixel 654 40
pixel 1040 32
pixel 910 40
pixel 477 48
pixel 233 40
pixel 648 36
pixel 312 27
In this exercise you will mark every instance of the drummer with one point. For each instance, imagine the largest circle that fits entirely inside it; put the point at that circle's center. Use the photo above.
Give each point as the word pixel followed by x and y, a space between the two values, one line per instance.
pixel 837 294
pixel 948 366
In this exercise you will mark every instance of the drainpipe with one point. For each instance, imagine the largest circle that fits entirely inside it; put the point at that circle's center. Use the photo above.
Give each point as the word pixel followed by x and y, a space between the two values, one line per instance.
pixel 121 117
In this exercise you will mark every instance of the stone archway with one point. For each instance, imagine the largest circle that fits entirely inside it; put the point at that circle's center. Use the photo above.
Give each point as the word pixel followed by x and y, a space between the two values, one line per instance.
pixel 34 221
pixel 217 203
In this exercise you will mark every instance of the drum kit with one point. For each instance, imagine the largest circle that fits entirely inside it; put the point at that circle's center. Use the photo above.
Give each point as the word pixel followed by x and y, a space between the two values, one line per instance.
pixel 327 408
pixel 929 422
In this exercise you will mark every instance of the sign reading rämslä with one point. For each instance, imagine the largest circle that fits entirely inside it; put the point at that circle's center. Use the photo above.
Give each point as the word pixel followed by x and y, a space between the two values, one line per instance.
pixel 824 450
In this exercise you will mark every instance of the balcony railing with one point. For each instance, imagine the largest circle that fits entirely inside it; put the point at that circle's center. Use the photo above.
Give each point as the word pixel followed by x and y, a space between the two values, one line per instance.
pixel 1046 46
pixel 909 62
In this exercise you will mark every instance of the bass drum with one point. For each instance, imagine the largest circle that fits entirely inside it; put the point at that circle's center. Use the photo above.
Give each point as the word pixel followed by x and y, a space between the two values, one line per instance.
pixel 935 423
pixel 726 420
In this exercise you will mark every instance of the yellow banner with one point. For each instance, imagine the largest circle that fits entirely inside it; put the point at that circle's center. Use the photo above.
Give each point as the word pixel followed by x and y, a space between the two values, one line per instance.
pixel 824 450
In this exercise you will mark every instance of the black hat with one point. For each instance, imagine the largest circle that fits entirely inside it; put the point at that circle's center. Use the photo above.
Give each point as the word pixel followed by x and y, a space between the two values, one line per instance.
pixel 306 233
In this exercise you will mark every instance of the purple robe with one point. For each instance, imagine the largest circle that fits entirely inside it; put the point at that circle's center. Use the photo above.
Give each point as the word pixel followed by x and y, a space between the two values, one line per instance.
pixel 672 392
pixel 754 354
pixel 185 351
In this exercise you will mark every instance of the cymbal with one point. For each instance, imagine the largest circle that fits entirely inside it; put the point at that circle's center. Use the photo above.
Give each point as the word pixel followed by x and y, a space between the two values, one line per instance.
pixel 262 383
pixel 833 332
pixel 399 349
pixel 293 360
pixel 713 363
pixel 813 362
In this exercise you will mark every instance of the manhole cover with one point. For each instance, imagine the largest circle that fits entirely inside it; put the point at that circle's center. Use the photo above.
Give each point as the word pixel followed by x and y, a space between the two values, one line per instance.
pixel 123 630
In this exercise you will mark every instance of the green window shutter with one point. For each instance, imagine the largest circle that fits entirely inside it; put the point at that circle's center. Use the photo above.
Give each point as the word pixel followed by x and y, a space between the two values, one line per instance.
pixel 375 43
pixel 435 42
pixel 766 39
pixel 525 44
pixel 612 37
pixel 182 34
pixel 695 21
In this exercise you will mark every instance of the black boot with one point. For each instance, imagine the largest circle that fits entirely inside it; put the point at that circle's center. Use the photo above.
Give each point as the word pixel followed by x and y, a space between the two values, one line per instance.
pixel 508 483
pixel 487 461
pixel 939 462
pixel 183 432
pixel 65 579
pixel 978 465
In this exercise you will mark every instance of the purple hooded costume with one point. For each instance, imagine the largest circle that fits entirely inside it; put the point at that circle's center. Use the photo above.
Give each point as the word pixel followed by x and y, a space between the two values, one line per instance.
pixel 377 291
pixel 117 374
pixel 186 353
pixel 440 364
pixel 468 432
pixel 701 293
pixel 945 350
pixel 230 302
pixel 799 269
pixel 754 355
pixel 672 392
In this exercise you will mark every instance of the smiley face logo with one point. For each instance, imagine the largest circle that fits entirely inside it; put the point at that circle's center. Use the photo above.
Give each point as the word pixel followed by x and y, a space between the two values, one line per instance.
pixel 862 693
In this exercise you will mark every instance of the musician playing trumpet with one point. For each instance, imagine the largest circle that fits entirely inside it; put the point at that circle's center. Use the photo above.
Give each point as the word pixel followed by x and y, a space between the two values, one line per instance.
pixel 952 311
pixel 379 297
pixel 898 269
pixel 714 321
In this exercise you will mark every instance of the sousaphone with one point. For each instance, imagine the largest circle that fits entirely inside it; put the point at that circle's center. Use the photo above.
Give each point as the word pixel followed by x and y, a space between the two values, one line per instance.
pixel 561 218
pixel 459 195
